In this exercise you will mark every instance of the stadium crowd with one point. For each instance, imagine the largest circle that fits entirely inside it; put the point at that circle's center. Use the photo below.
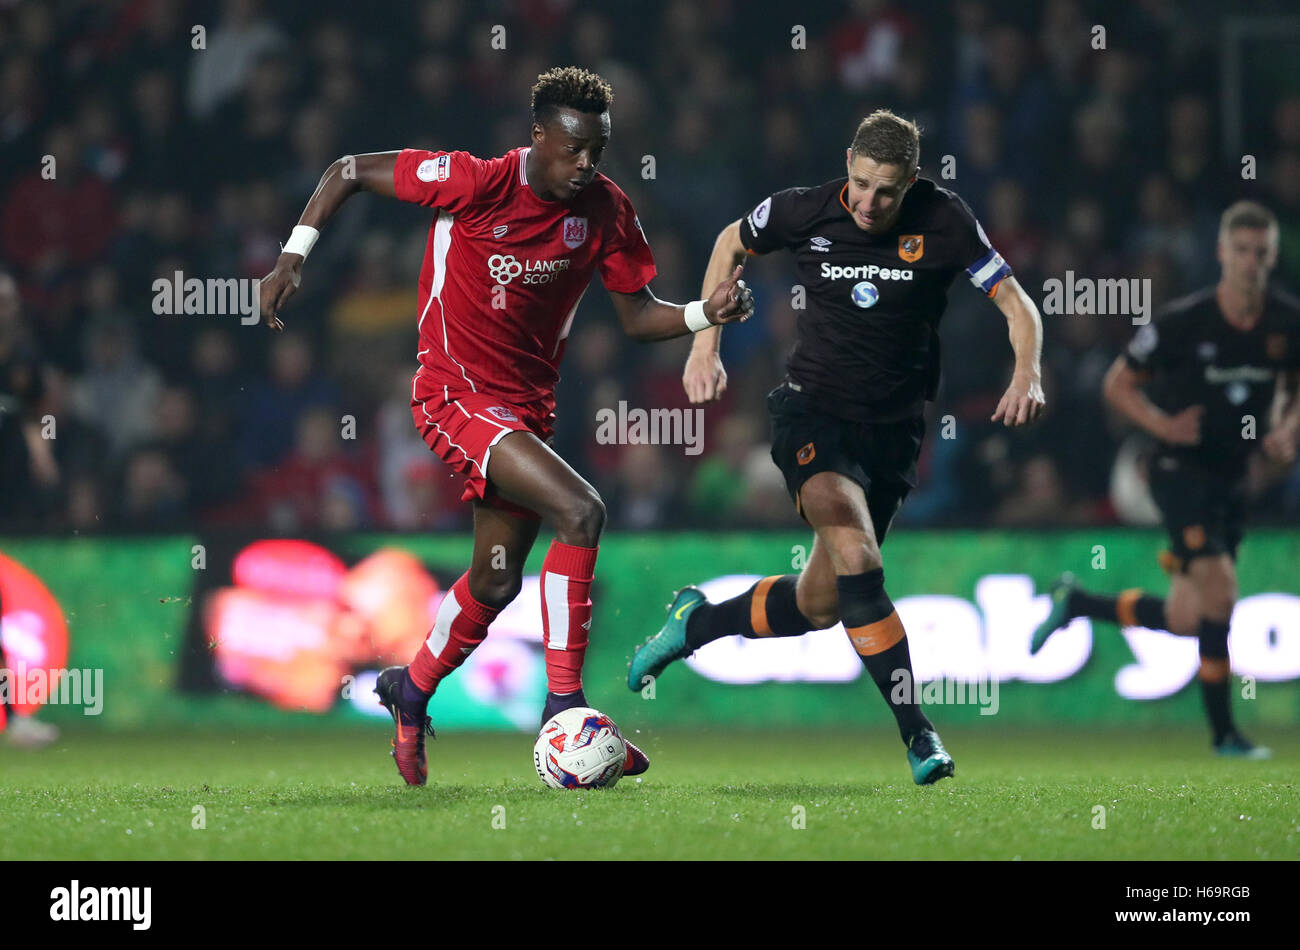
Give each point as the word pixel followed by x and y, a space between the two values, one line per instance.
pixel 1103 162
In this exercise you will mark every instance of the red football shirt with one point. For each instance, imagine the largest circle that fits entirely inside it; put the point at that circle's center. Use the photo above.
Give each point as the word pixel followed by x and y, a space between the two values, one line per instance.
pixel 504 270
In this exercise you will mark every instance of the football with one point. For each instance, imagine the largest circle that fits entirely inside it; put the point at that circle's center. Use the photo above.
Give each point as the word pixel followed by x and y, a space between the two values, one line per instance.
pixel 579 748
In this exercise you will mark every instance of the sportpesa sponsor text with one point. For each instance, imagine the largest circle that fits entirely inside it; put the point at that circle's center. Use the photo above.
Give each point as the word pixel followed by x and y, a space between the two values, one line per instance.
pixel 864 272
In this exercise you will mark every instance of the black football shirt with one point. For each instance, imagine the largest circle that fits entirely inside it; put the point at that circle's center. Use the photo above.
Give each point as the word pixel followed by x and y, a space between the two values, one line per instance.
pixel 1196 358
pixel 868 344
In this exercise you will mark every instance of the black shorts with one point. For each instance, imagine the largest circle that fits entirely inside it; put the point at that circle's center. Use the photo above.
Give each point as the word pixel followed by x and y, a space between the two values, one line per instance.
pixel 1203 510
pixel 879 456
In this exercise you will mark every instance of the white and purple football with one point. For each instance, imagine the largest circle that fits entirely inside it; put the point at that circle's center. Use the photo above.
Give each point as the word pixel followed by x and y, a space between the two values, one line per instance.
pixel 580 748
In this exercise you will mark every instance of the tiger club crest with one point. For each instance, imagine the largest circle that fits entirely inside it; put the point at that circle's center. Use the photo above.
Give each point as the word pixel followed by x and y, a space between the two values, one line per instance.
pixel 911 247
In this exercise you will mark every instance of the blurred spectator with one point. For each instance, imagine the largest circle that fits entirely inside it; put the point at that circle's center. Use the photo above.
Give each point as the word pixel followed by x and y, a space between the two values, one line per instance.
pixel 868 43
pixel 26 464
pixel 274 407
pixel 241 38
pixel 319 484
pixel 59 214
pixel 153 492
pixel 118 390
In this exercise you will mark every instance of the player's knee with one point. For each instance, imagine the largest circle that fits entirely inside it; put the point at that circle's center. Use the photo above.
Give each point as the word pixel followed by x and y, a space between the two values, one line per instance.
pixel 1218 591
pixel 1218 606
pixel 830 509
pixel 1182 615
pixel 857 557
pixel 580 519
pixel 495 587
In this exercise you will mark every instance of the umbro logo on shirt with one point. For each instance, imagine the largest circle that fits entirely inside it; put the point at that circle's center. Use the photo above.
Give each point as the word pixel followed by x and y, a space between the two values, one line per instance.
pixel 820 243
pixel 500 231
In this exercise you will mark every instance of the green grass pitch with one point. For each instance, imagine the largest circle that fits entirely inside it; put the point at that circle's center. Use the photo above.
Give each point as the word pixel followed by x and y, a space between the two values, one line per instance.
pixel 317 795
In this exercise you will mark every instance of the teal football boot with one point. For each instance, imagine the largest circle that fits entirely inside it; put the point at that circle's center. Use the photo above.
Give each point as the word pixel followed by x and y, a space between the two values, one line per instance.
pixel 928 758
pixel 1235 745
pixel 1059 615
pixel 668 644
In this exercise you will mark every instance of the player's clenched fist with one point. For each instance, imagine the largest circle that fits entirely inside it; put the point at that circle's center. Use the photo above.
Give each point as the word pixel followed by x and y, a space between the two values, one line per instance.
pixel 278 286
pixel 704 378
pixel 1184 428
pixel 731 301
pixel 1021 404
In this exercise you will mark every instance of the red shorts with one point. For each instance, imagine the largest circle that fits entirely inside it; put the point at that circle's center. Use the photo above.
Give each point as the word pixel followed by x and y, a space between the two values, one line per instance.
pixel 461 429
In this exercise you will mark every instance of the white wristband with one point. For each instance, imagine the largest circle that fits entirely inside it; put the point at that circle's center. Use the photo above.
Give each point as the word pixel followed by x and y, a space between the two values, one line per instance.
pixel 695 317
pixel 301 240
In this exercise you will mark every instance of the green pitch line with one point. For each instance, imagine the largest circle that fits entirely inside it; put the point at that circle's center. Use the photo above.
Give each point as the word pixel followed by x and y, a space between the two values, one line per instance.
pixel 1029 795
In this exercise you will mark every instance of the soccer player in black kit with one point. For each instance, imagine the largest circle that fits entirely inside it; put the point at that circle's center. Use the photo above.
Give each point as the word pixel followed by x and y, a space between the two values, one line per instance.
pixel 877 251
pixel 1219 368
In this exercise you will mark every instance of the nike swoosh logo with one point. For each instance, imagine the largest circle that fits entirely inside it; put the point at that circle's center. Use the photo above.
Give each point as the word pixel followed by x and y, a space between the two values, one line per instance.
pixel 678 615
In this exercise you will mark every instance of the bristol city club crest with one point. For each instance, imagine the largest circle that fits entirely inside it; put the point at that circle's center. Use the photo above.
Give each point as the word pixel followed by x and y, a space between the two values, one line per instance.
pixel 575 232
pixel 502 413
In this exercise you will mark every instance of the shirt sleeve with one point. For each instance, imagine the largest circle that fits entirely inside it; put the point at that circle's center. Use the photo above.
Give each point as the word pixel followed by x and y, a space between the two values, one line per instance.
pixel 447 180
pixel 983 264
pixel 627 264
pixel 771 225
pixel 1150 349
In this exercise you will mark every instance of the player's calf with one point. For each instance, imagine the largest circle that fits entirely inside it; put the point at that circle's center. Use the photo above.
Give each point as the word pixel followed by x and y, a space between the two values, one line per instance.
pixel 567 575
pixel 767 609
pixel 878 637
pixel 460 625
pixel 1130 608
pixel 1215 678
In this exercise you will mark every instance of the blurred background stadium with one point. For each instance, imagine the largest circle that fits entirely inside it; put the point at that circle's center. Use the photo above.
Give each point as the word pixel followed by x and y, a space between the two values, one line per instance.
pixel 1111 162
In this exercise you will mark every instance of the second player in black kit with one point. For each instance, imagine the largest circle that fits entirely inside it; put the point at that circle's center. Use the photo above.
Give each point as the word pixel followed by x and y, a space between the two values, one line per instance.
pixel 876 252
pixel 1203 379
pixel 1195 358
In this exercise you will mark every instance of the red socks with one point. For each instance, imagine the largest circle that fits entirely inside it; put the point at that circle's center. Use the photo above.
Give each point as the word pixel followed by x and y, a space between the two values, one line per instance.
pixel 462 623
pixel 460 626
pixel 566 613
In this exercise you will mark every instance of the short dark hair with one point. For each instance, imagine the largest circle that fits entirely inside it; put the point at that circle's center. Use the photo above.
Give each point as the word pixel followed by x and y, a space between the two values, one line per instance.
pixel 889 139
pixel 569 87
pixel 1247 214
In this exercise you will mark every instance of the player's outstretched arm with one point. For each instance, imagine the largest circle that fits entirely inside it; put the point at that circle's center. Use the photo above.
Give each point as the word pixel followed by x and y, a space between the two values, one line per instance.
pixel 344 178
pixel 1123 391
pixel 1023 401
pixel 1280 443
pixel 647 319
pixel 704 378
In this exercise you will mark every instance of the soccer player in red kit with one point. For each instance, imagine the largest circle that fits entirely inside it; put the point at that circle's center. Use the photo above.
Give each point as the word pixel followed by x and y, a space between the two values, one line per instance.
pixel 512 247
